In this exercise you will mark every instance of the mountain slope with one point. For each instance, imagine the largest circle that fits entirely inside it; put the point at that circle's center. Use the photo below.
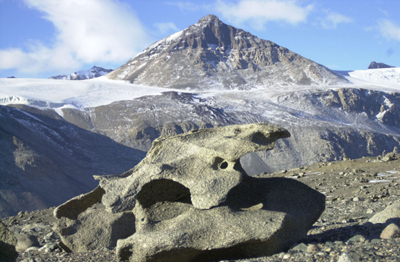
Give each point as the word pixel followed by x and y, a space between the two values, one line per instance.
pixel 326 125
pixel 211 54
pixel 46 160
pixel 84 74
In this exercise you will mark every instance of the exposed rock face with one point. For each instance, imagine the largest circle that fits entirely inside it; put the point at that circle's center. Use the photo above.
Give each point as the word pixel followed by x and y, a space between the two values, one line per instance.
pixel 211 54
pixel 375 65
pixel 325 124
pixel 190 200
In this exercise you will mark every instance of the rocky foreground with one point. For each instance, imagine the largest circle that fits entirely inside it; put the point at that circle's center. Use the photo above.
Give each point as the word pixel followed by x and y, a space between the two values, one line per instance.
pixel 356 191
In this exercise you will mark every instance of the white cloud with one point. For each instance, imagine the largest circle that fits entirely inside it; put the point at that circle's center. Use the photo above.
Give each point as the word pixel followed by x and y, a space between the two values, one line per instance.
pixel 184 6
pixel 259 12
pixel 332 20
pixel 389 29
pixel 166 27
pixel 87 32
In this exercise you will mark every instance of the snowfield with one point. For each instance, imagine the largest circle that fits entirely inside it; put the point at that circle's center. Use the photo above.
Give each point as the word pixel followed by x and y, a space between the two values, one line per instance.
pixel 66 93
pixel 102 91
pixel 58 94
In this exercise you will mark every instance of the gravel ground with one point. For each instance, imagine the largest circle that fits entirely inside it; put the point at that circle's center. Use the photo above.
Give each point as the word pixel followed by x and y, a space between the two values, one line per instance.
pixel 355 190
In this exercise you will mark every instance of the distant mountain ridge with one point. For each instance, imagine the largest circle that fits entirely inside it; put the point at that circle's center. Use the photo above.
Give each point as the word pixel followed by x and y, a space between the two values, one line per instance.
pixel 212 54
pixel 94 72
pixel 375 65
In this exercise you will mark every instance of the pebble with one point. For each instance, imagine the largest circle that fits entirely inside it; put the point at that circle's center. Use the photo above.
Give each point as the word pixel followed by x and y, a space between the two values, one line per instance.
pixel 312 248
pixel 391 231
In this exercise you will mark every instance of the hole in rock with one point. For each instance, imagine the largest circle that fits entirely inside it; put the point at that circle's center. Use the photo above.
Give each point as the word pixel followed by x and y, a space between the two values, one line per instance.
pixel 163 190
pixel 219 163
pixel 224 165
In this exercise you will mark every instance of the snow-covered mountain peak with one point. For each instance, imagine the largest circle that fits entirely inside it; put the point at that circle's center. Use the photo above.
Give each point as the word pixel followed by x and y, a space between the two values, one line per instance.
pixel 94 72
pixel 212 54
pixel 208 19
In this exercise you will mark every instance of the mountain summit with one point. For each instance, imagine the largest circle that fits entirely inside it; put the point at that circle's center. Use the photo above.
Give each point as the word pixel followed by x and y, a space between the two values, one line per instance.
pixel 211 54
pixel 375 65
pixel 94 72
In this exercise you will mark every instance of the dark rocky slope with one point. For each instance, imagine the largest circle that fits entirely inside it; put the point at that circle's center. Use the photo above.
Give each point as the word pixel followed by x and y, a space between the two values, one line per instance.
pixel 46 160
pixel 375 65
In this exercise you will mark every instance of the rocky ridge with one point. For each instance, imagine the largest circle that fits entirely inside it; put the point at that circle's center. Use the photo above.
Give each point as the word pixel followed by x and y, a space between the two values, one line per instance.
pixel 326 125
pixel 211 54
pixel 94 72
pixel 375 65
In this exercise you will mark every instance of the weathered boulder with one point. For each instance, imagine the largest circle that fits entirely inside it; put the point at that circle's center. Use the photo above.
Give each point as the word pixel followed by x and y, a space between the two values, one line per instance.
pixel 191 200
pixel 260 217
pixel 205 161
pixel 390 214
pixel 391 231
pixel 25 241
pixel 7 244
pixel 84 225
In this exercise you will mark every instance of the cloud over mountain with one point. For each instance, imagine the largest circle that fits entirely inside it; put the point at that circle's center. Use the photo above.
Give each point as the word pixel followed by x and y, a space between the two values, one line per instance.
pixel 389 29
pixel 90 31
pixel 260 12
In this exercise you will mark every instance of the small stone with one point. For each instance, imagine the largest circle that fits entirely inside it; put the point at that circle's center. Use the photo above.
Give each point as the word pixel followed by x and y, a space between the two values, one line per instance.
pixel 50 236
pixel 375 241
pixel 300 247
pixel 356 199
pixel 286 256
pixel 312 248
pixel 370 211
pixel 32 249
pixel 344 257
pixel 339 243
pixel 391 231
pixel 26 241
pixel 357 238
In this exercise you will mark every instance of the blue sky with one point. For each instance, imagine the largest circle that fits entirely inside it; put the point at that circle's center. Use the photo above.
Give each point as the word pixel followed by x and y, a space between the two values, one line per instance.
pixel 41 38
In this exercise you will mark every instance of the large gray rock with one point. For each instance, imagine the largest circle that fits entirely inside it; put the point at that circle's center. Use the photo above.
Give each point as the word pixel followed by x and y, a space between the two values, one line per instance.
pixel 260 217
pixel 7 244
pixel 390 214
pixel 191 200
pixel 26 241
pixel 205 161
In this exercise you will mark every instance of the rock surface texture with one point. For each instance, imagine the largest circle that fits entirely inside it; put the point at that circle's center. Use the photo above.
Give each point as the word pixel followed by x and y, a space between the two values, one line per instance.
pixel 190 200
pixel 7 244
pixel 211 54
